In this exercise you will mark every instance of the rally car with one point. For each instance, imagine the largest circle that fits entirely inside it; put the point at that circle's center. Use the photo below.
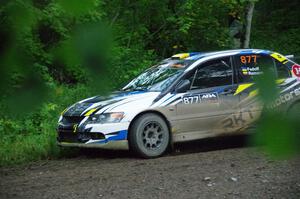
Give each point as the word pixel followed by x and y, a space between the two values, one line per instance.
pixel 185 97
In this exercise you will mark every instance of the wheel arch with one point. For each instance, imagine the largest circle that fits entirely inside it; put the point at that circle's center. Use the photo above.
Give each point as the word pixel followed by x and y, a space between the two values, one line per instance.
pixel 157 113
pixel 291 105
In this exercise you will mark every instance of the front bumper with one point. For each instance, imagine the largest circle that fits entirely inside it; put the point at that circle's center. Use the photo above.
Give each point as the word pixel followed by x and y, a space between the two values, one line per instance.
pixel 116 140
pixel 110 136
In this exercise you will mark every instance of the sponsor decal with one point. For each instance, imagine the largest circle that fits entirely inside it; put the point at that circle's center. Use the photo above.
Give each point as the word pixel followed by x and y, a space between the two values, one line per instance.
pixel 209 97
pixel 251 70
pixel 200 98
pixel 296 70
pixel 284 98
pixel 240 118
pixel 279 57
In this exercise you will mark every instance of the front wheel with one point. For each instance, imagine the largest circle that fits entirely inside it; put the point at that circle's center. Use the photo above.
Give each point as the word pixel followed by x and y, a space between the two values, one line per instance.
pixel 149 136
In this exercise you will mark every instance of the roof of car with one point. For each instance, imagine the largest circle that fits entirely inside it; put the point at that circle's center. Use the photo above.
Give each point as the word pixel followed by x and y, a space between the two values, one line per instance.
pixel 199 55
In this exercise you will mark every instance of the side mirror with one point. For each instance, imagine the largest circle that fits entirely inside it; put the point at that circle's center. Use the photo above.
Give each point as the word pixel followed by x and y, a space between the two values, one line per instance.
pixel 183 86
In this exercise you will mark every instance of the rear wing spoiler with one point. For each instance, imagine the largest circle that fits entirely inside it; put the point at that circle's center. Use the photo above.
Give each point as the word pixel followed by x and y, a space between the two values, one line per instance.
pixel 290 56
pixel 293 58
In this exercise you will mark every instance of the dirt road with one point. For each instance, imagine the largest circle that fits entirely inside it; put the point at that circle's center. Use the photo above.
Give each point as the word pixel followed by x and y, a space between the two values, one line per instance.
pixel 217 168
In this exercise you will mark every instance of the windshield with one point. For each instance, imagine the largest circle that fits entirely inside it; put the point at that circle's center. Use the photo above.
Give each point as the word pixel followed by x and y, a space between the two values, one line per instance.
pixel 159 77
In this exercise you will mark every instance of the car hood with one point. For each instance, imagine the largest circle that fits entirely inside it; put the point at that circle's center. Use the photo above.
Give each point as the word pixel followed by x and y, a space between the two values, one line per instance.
pixel 116 100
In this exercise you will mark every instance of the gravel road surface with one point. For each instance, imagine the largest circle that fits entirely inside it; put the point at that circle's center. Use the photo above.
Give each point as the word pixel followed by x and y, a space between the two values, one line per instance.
pixel 212 168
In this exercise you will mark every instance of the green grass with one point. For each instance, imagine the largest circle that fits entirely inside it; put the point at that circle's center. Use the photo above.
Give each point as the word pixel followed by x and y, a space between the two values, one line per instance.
pixel 32 137
pixel 32 147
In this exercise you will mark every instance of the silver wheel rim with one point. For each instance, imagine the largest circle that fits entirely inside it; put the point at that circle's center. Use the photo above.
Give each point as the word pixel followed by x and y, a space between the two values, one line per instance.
pixel 153 135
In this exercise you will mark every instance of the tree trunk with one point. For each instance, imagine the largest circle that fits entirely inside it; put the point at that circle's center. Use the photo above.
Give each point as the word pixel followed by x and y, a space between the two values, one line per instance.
pixel 249 16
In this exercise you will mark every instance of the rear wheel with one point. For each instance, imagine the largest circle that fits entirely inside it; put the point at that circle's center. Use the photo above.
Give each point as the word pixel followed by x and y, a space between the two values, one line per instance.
pixel 149 136
pixel 294 115
pixel 294 111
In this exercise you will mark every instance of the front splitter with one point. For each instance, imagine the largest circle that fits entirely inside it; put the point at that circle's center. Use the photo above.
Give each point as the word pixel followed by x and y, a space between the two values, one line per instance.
pixel 115 145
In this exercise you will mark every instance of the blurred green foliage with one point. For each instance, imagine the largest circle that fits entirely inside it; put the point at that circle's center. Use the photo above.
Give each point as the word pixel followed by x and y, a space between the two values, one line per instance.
pixel 277 129
pixel 56 52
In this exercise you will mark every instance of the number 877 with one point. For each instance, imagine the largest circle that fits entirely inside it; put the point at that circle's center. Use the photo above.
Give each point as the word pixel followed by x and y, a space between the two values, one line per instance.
pixel 248 59
pixel 191 99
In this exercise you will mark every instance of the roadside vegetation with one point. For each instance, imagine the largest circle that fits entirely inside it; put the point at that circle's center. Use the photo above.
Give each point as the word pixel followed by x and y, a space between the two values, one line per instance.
pixel 56 52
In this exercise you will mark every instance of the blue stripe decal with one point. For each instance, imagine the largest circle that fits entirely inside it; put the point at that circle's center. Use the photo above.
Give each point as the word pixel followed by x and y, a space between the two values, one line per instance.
pixel 122 135
pixel 195 57
pixel 129 93
pixel 245 52
pixel 220 90
pixel 265 52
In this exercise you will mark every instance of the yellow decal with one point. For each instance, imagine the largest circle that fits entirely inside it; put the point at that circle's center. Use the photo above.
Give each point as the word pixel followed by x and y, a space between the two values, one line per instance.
pixel 245 71
pixel 280 81
pixel 181 55
pixel 66 143
pixel 242 87
pixel 253 93
pixel 278 57
pixel 75 128
pixel 63 111
pixel 90 112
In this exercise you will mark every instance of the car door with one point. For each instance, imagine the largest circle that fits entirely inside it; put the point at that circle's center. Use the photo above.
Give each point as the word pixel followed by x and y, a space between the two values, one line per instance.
pixel 248 68
pixel 209 100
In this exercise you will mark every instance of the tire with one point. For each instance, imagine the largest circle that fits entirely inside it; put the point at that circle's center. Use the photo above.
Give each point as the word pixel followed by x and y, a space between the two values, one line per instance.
pixel 294 111
pixel 293 116
pixel 149 136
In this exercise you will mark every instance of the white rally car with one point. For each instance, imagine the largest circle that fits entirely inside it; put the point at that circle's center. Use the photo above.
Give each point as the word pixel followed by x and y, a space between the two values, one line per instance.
pixel 186 97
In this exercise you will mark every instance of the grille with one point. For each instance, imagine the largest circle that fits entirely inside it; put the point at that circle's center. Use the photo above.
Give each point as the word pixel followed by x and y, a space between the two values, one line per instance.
pixel 81 137
pixel 67 137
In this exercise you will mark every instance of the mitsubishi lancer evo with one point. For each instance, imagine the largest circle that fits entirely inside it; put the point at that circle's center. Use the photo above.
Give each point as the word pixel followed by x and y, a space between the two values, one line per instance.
pixel 186 97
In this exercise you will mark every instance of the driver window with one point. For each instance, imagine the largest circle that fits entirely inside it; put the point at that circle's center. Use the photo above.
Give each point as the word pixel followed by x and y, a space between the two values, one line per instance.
pixel 213 73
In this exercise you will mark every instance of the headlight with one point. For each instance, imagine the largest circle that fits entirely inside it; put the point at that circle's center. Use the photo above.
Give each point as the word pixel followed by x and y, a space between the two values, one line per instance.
pixel 106 118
